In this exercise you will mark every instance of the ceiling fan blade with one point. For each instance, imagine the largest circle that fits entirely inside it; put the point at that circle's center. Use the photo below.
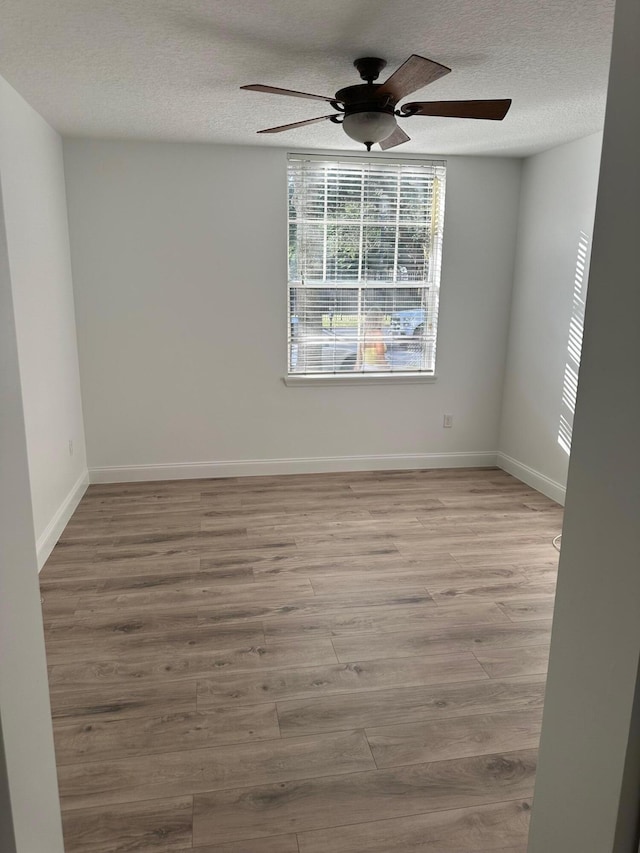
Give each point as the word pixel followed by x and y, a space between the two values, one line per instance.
pixel 494 110
pixel 397 138
pixel 412 75
pixel 291 126
pixel 274 90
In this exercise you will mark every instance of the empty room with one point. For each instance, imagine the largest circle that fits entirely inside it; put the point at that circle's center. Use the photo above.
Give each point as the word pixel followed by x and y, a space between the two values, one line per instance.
pixel 318 397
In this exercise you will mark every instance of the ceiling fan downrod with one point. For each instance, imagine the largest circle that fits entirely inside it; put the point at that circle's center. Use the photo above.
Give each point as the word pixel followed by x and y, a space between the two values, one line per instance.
pixel 370 67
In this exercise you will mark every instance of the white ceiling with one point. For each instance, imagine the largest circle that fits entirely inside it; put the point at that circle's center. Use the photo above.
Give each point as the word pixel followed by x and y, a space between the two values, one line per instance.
pixel 156 69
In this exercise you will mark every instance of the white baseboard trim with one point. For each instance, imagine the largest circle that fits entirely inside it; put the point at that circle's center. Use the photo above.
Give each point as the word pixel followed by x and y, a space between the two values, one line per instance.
pixel 540 482
pixel 45 543
pixel 311 465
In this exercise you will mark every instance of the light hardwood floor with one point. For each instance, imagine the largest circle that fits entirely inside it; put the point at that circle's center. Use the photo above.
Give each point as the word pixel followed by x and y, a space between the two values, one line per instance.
pixel 337 663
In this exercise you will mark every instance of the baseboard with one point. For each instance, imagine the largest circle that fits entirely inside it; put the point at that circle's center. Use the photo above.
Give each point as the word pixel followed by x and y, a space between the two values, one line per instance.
pixel 532 478
pixel 47 540
pixel 311 465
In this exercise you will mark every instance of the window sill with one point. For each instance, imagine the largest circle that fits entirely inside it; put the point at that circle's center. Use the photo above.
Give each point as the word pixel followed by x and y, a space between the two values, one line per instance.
pixel 350 379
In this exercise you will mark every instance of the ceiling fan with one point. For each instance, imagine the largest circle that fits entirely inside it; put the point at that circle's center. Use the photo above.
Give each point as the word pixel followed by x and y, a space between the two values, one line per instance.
pixel 367 111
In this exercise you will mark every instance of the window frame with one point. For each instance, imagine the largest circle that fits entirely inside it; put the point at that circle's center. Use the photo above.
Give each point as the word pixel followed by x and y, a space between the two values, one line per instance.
pixel 430 285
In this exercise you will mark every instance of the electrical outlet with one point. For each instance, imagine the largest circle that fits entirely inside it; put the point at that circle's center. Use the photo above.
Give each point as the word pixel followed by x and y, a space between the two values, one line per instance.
pixel 447 421
pixel 70 447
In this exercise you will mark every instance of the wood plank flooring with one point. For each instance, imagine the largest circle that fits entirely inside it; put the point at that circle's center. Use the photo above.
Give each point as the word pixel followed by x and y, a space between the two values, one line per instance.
pixel 336 663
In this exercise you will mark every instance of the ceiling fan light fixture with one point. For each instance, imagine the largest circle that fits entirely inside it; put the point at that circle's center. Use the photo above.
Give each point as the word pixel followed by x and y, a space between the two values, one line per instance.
pixel 369 126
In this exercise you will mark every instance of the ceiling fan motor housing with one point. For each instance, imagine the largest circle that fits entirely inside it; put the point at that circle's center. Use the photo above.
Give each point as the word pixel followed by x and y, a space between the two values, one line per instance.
pixel 362 98
pixel 368 116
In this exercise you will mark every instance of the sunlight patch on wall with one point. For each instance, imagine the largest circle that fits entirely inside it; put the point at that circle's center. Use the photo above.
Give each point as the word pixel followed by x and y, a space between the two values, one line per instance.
pixel 574 345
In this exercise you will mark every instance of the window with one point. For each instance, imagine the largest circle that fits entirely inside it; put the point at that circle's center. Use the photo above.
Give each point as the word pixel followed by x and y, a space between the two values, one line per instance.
pixel 365 240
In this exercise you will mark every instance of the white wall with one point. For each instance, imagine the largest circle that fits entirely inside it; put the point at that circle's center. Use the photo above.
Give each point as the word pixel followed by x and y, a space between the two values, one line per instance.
pixel 29 808
pixel 555 224
pixel 33 191
pixel 179 263
pixel 587 797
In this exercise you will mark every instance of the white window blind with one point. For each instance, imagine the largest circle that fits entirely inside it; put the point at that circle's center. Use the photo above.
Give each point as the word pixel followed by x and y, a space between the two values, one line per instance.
pixel 365 242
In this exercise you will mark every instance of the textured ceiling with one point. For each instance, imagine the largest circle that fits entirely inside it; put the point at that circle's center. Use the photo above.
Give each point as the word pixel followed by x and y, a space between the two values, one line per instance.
pixel 153 69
